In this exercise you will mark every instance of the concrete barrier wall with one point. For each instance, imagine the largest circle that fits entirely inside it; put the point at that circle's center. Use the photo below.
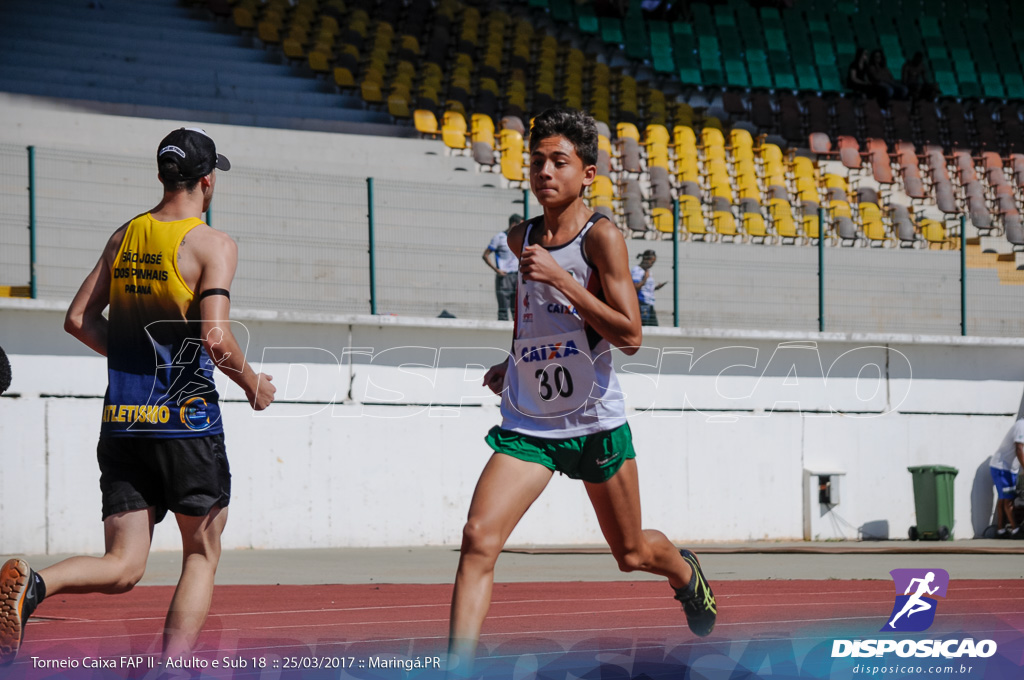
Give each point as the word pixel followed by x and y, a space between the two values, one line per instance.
pixel 377 438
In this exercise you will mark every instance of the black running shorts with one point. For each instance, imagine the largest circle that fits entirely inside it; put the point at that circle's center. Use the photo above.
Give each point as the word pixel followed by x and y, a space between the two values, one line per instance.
pixel 186 476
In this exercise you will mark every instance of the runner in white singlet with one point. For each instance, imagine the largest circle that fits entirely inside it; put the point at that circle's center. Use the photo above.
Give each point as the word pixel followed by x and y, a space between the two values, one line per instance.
pixel 562 408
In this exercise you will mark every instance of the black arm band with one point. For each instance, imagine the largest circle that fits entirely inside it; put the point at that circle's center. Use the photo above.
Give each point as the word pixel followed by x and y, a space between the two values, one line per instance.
pixel 215 291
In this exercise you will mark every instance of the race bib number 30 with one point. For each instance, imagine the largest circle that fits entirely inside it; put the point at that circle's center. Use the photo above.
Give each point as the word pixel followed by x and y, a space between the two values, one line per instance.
pixel 555 374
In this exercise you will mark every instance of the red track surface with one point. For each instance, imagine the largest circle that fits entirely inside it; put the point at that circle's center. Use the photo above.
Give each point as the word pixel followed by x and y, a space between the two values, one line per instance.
pixel 411 620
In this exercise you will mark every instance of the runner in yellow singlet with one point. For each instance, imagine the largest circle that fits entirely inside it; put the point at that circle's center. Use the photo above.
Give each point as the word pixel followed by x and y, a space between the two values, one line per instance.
pixel 165 277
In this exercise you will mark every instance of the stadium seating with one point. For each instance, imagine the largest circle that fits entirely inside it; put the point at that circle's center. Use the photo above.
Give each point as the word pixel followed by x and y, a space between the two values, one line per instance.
pixel 769 138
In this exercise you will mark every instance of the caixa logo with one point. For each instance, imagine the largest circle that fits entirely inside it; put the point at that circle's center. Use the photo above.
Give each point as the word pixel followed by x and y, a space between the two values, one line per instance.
pixel 914 611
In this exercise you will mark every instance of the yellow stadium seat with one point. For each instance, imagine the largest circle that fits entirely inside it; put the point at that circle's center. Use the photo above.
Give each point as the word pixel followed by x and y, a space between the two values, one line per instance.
pixel 839 209
pixel 320 59
pixel 725 225
pixel 456 106
pixel 748 190
pixel 712 136
pixel 811 225
pixel 371 91
pixel 663 220
pixel 713 122
pixel 807 190
pixel 802 167
pixel 657 156
pixel 425 122
pixel 714 153
pixel 627 130
pixel 687 170
pixel 269 31
pixel 398 105
pixel 343 78
pixel 834 181
pixel 656 134
pixel 510 147
pixel 691 218
pixel 769 153
pixel 782 220
pixel 684 137
pixel 934 232
pixel 754 226
pixel 482 128
pixel 742 153
pixel 453 130
pixel 872 225
pixel 740 139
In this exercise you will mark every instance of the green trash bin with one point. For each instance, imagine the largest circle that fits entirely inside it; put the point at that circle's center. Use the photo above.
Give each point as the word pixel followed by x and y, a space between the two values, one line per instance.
pixel 933 502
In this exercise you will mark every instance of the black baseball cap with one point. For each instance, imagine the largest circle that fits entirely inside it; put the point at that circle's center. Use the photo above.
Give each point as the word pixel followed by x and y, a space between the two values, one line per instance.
pixel 187 154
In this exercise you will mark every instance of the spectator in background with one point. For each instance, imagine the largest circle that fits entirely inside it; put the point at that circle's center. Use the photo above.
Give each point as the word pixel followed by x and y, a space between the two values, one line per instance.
pixel 857 74
pixel 1004 466
pixel 915 78
pixel 886 86
pixel 506 268
pixel 643 281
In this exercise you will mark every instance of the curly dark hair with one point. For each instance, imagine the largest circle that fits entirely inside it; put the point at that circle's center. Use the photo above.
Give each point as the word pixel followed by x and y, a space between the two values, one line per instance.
pixel 576 126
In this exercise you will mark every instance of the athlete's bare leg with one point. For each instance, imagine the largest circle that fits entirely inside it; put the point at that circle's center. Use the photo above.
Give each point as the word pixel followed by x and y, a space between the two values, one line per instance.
pixel 200 541
pixel 127 536
pixel 617 504
pixel 506 489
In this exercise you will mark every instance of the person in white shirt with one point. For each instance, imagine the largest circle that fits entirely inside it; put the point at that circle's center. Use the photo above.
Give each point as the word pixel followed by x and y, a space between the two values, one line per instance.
pixel 1004 466
pixel 643 281
pixel 506 268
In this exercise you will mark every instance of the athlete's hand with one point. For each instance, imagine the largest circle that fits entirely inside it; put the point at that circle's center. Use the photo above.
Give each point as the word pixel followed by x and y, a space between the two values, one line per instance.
pixel 494 379
pixel 263 396
pixel 536 264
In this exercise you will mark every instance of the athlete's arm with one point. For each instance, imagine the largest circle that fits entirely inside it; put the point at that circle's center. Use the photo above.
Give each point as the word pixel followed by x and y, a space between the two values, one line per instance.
pixel 85 319
pixel 617 317
pixel 1020 455
pixel 218 258
pixel 487 259
pixel 515 239
pixel 494 379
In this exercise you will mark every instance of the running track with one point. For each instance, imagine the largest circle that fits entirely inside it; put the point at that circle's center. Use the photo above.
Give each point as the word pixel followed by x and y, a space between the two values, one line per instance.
pixel 550 630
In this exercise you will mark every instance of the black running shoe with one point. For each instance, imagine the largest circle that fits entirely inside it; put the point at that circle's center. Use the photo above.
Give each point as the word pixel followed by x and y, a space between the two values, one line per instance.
pixel 17 602
pixel 697 598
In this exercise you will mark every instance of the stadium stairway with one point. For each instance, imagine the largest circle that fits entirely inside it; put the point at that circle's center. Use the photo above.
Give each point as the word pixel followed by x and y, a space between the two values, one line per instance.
pixel 148 55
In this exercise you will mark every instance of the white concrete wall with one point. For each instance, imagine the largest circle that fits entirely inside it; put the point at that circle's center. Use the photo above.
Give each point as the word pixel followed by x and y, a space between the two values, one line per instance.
pixel 377 438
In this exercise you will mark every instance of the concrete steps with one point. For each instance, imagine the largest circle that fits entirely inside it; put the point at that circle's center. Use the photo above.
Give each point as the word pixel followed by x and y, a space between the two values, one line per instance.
pixel 161 54
pixel 1005 264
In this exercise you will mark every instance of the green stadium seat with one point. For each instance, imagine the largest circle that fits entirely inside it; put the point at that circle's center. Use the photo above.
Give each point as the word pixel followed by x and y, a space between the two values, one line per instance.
pixel 930 28
pixel 611 30
pixel 830 79
pixel 562 10
pixel 736 74
pixel 806 77
pixel 587 19
pixel 1014 85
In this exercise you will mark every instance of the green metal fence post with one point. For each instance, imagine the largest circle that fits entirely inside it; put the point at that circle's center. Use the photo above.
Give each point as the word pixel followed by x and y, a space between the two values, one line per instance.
pixel 373 266
pixel 33 287
pixel 209 216
pixel 821 270
pixel 526 204
pixel 963 275
pixel 675 262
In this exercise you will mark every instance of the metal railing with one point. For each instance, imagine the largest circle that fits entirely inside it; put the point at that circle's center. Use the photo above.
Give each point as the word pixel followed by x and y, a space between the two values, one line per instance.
pixel 315 242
